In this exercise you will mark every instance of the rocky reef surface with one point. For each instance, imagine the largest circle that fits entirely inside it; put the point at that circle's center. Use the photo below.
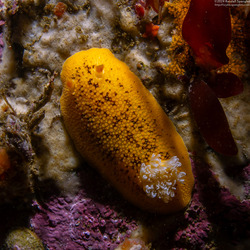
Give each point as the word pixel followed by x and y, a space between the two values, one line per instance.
pixel 50 198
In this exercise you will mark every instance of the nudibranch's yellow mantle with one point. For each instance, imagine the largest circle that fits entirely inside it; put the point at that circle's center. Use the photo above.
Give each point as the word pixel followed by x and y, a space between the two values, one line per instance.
pixel 119 128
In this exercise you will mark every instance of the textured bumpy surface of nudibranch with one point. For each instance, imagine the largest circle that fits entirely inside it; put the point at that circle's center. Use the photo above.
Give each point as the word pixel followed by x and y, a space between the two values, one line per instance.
pixel 120 129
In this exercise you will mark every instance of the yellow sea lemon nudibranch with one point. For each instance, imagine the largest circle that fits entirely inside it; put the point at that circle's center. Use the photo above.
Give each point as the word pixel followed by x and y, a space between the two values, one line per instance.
pixel 121 130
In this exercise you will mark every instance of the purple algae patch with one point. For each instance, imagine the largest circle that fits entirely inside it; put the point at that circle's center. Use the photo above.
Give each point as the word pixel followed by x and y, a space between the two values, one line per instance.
pixel 84 220
pixel 198 228
pixel 2 22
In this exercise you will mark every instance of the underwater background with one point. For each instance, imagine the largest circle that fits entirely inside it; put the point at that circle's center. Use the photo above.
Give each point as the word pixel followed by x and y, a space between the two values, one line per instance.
pixel 50 196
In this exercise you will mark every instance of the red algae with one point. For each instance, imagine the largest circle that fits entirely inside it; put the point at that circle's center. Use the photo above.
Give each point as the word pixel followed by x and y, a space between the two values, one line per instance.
pixel 156 4
pixel 211 119
pixel 207 29
pixel 151 30
pixel 4 161
pixel 225 85
pixel 60 9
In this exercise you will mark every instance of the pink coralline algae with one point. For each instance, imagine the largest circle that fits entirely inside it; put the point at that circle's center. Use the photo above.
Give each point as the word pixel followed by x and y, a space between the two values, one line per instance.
pixel 81 222
pixel 2 22
pixel 198 229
